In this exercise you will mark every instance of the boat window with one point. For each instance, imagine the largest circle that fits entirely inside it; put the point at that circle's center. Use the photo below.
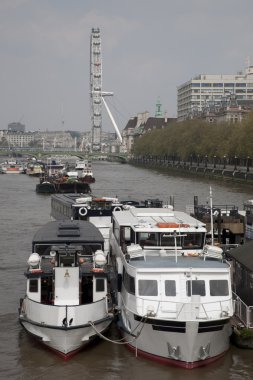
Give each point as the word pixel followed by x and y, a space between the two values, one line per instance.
pixel 129 282
pixel 142 237
pixel 148 288
pixel 218 288
pixel 192 241
pixel 116 233
pixel 125 233
pixel 33 286
pixel 169 240
pixel 67 260
pixel 195 287
pixel 100 285
pixel 170 288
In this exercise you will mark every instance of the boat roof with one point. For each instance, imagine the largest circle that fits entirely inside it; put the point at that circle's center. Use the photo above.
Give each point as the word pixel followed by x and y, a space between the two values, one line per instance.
pixel 79 199
pixel 71 231
pixel 157 262
pixel 150 219
pixel 243 255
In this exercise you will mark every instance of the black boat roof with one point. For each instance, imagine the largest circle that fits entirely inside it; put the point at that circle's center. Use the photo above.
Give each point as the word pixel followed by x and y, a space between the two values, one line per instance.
pixel 71 231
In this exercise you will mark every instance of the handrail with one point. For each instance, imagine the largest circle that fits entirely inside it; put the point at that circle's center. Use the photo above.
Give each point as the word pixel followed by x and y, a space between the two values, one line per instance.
pixel 184 311
pixel 243 311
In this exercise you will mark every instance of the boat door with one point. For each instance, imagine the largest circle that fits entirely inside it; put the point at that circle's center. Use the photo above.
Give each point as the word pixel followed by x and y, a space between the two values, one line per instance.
pixel 66 286
pixel 169 294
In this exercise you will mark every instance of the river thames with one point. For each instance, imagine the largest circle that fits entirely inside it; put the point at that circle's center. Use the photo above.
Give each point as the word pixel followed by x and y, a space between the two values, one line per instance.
pixel 23 212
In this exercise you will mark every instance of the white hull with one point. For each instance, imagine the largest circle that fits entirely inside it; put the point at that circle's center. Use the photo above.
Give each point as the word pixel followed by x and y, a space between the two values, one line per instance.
pixel 82 324
pixel 65 341
pixel 188 348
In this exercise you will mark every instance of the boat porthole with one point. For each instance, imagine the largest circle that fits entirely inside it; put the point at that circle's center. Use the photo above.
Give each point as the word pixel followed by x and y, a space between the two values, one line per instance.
pixel 117 208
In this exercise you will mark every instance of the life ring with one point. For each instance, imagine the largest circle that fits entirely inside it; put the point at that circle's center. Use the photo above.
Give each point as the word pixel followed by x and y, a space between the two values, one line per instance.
pixel 117 208
pixel 83 211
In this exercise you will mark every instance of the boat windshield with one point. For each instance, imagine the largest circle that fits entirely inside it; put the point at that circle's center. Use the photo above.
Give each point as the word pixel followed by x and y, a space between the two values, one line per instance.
pixel 186 241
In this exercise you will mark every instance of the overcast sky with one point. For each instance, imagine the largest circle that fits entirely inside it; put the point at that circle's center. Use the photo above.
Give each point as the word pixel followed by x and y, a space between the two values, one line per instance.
pixel 149 47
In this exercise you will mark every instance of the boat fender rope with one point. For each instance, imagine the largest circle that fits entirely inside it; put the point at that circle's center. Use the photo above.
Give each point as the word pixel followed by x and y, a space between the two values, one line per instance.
pixel 83 211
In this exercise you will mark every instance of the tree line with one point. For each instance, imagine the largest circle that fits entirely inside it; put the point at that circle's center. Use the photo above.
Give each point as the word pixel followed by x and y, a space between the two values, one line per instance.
pixel 197 140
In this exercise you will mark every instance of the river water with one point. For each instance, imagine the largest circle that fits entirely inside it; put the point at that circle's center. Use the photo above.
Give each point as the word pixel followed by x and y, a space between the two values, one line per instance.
pixel 23 211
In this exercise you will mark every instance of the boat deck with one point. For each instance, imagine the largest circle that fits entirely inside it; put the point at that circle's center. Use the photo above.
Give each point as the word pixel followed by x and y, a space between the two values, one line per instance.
pixel 153 262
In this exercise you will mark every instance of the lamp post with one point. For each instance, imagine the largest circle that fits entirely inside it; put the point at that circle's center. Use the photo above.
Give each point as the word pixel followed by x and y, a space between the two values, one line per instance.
pixel 198 159
pixel 224 162
pixel 235 168
pixel 206 161
pixel 214 162
pixel 247 163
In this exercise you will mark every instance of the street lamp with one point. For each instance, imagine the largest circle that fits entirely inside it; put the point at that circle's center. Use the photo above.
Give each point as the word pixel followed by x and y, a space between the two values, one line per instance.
pixel 224 162
pixel 206 161
pixel 235 168
pixel 214 161
pixel 247 163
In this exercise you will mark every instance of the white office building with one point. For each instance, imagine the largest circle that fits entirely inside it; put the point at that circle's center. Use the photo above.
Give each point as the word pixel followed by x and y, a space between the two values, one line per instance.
pixel 195 95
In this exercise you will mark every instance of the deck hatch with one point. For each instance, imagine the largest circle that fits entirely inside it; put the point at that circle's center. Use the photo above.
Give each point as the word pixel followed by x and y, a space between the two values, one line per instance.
pixel 68 230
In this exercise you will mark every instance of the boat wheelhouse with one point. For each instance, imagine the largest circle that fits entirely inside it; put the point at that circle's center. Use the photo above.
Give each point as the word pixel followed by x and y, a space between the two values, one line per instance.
pixel 97 210
pixel 84 171
pixel 174 293
pixel 228 223
pixel 66 303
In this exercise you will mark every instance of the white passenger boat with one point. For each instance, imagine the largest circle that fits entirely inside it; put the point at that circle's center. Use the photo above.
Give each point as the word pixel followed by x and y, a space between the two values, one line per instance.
pixel 11 167
pixel 66 303
pixel 84 171
pixel 175 298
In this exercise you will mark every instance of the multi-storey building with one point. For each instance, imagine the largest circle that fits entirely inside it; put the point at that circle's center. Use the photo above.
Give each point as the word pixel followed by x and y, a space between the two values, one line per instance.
pixel 19 139
pixel 195 95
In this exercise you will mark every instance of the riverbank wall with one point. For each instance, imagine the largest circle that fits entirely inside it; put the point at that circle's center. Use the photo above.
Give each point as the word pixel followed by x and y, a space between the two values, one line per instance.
pixel 240 174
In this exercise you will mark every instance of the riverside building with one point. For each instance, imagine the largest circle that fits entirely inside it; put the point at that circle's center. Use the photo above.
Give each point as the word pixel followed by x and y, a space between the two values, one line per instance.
pixel 196 95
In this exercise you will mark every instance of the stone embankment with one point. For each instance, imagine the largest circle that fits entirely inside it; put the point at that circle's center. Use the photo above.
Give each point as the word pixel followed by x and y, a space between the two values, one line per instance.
pixel 213 171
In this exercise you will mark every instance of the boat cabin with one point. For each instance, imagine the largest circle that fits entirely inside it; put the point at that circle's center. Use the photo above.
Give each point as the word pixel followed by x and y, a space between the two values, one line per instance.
pixel 68 264
pixel 152 229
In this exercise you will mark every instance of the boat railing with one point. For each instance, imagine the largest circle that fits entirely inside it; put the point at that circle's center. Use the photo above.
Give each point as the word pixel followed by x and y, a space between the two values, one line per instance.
pixel 243 311
pixel 194 309
pixel 64 315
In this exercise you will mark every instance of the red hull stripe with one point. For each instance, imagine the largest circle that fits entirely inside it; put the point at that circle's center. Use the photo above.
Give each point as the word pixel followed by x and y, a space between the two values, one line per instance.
pixel 176 363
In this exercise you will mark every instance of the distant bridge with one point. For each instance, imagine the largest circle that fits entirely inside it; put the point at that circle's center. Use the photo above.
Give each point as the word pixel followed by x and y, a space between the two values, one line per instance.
pixel 40 153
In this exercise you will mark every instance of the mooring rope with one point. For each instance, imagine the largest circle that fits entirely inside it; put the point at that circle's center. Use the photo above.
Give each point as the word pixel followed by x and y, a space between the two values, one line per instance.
pixel 120 341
